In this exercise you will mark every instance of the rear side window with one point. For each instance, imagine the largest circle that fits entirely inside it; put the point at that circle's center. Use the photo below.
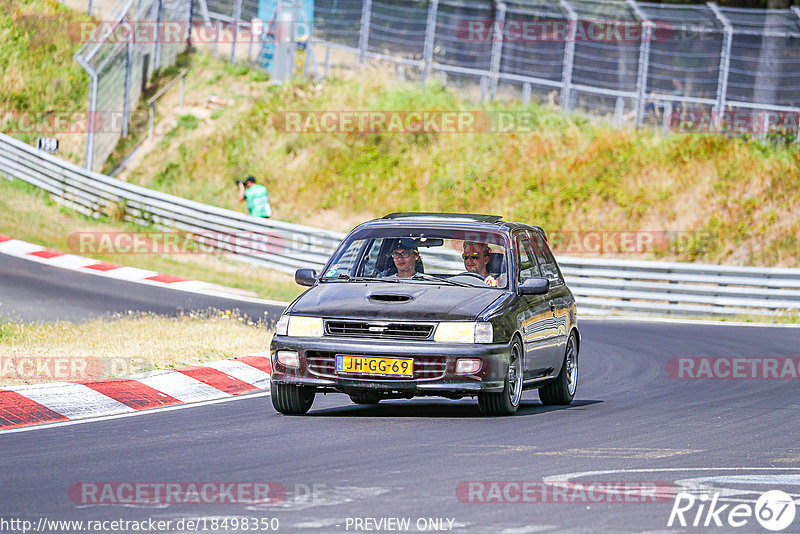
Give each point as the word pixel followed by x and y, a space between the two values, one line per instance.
pixel 528 268
pixel 546 259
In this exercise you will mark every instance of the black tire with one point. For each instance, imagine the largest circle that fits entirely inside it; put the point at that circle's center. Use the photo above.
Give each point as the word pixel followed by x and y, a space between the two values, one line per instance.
pixel 365 398
pixel 507 401
pixel 290 399
pixel 562 390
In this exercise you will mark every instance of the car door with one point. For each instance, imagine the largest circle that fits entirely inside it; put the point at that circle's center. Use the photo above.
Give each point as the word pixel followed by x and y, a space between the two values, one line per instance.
pixel 536 317
pixel 559 298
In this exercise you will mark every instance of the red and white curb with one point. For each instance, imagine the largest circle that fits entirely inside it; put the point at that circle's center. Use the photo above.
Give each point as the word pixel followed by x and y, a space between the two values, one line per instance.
pixel 22 406
pixel 38 253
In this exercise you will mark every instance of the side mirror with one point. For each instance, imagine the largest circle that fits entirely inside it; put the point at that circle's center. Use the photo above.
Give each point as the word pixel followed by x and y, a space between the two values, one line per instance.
pixel 305 277
pixel 534 286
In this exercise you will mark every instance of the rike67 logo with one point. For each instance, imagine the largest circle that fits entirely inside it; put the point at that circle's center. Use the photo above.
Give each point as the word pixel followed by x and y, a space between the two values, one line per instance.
pixel 774 510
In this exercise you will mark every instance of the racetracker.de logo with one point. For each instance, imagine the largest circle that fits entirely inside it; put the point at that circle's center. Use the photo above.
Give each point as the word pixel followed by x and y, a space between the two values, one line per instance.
pixel 735 122
pixel 733 368
pixel 150 493
pixel 527 491
pixel 626 242
pixel 55 368
pixel 377 121
pixel 177 32
pixel 68 122
pixel 583 31
pixel 247 243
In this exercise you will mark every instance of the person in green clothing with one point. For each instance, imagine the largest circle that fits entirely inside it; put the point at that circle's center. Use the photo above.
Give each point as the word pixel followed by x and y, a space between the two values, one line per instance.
pixel 257 198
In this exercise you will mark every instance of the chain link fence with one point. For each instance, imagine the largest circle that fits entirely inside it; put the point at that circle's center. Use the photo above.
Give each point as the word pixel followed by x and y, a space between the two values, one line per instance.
pixel 681 67
pixel 690 67
pixel 125 46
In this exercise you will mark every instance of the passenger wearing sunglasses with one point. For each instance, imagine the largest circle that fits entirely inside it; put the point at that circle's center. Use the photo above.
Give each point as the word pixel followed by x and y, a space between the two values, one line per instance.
pixel 476 260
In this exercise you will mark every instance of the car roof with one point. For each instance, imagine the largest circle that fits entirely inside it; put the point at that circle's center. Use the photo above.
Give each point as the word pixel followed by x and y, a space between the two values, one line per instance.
pixel 449 220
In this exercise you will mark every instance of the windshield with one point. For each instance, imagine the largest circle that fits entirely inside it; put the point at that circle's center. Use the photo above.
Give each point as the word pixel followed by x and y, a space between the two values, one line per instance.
pixel 422 256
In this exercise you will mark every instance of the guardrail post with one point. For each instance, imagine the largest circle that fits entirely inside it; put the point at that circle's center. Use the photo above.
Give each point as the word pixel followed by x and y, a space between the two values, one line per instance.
pixel 526 93
pixel 430 33
pixel 644 59
pixel 569 56
pixel 363 37
pixel 497 47
pixel 89 8
pixel 724 62
pixel 237 15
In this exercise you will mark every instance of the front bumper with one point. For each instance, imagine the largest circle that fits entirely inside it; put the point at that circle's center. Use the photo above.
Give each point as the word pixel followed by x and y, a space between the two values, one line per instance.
pixel 436 363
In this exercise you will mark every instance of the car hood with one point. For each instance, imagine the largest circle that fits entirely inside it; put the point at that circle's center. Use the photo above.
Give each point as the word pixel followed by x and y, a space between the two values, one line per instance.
pixel 395 301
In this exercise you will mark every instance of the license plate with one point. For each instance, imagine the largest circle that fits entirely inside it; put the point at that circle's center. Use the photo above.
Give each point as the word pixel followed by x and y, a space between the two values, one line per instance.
pixel 370 365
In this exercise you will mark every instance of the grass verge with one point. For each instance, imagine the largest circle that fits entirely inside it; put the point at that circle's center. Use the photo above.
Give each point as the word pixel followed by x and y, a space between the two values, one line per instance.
pixel 731 200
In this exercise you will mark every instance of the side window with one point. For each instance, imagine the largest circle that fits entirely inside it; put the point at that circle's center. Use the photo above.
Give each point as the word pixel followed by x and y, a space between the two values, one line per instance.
pixel 528 267
pixel 370 262
pixel 546 259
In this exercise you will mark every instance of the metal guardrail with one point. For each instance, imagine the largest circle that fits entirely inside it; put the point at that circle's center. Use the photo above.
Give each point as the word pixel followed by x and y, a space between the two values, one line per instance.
pixel 600 285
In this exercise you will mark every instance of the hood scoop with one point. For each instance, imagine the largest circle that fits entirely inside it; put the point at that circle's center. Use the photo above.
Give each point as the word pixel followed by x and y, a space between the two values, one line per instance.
pixel 392 298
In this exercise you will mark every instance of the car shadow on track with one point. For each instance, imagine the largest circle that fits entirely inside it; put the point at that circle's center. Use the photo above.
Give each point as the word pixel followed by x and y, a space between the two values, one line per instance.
pixel 437 408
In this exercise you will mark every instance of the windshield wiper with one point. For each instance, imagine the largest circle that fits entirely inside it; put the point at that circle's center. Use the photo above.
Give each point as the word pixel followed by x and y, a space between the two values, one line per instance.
pixel 369 279
pixel 431 278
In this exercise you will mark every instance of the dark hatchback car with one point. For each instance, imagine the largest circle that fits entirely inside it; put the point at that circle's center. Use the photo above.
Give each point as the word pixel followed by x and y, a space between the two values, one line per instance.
pixel 430 304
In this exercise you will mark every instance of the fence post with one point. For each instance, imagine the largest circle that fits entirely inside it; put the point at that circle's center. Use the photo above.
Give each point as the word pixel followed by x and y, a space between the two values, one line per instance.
pixel 237 15
pixel 430 33
pixel 569 56
pixel 160 36
pixel 92 122
pixel 363 37
pixel 724 61
pixel 89 8
pixel 644 59
pixel 665 122
pixel 126 104
pixel 497 47
pixel 90 126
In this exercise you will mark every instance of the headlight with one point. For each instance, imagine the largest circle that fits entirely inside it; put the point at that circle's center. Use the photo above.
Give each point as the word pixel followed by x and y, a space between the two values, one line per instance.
pixel 464 332
pixel 304 326
pixel 282 326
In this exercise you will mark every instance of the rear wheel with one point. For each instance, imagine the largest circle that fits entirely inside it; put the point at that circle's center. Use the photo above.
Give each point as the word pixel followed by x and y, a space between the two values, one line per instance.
pixel 290 399
pixel 562 391
pixel 365 398
pixel 507 401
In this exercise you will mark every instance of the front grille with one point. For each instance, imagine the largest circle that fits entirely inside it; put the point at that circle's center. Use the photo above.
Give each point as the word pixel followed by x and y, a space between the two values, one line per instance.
pixel 379 330
pixel 323 364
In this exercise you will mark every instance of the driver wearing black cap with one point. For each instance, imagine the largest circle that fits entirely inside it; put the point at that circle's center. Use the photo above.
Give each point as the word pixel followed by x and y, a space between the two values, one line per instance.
pixel 405 256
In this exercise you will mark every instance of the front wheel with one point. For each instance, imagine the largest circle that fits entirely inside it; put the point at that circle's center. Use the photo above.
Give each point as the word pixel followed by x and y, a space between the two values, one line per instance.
pixel 290 399
pixel 562 391
pixel 507 401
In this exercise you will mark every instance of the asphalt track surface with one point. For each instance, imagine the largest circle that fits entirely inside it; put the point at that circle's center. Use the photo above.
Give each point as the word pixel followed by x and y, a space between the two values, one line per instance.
pixel 405 459
pixel 32 291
